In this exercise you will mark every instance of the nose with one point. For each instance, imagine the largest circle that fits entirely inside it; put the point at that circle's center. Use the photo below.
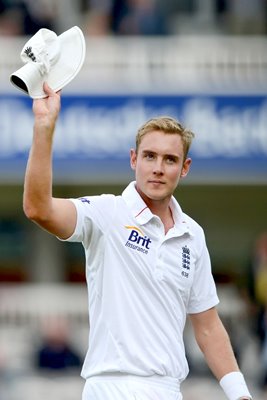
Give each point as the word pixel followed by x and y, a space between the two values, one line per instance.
pixel 158 167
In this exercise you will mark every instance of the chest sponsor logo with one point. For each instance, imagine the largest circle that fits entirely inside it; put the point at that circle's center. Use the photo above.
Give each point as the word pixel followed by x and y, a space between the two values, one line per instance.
pixel 185 261
pixel 137 240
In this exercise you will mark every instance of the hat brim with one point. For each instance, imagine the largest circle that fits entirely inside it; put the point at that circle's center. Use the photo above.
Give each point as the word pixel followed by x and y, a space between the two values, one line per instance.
pixel 70 61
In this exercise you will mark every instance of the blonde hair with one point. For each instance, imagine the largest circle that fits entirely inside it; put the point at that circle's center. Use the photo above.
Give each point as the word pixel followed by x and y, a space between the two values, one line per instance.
pixel 166 125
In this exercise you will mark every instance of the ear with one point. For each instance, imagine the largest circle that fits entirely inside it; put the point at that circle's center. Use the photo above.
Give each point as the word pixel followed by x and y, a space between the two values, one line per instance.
pixel 133 157
pixel 186 167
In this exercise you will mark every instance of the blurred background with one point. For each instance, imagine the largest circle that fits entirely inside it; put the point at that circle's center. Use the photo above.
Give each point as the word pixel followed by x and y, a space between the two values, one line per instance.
pixel 201 61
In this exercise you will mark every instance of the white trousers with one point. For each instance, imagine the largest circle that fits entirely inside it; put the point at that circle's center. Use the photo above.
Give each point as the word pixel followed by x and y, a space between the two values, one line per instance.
pixel 118 386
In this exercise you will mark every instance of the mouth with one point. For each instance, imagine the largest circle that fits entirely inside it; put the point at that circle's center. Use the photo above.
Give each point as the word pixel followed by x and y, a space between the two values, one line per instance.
pixel 156 182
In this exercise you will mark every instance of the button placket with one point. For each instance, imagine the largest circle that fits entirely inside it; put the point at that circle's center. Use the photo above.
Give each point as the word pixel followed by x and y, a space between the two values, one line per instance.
pixel 160 261
pixel 160 234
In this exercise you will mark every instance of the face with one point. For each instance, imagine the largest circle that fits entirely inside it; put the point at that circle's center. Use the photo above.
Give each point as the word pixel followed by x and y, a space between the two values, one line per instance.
pixel 159 165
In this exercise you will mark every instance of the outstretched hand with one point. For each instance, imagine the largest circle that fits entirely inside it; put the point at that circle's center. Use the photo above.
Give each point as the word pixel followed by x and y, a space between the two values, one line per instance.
pixel 47 109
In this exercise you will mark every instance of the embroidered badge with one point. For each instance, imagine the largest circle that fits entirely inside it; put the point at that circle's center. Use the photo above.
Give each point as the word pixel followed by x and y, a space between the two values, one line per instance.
pixel 28 51
pixel 186 261
pixel 84 200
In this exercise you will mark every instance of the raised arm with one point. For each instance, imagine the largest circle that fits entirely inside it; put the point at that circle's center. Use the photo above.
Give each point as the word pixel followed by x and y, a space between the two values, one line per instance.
pixel 57 216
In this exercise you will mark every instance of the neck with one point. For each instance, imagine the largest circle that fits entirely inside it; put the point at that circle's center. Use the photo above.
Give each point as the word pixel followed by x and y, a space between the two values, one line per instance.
pixel 162 209
pixel 166 218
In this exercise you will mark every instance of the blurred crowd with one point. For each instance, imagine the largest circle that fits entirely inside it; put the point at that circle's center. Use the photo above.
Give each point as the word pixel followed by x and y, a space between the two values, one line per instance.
pixel 134 17
pixel 257 291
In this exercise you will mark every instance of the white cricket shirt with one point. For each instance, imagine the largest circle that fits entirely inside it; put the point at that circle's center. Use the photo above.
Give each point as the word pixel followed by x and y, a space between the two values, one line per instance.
pixel 141 284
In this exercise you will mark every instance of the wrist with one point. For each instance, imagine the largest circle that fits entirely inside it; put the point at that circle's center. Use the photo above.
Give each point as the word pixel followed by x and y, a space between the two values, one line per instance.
pixel 44 124
pixel 234 386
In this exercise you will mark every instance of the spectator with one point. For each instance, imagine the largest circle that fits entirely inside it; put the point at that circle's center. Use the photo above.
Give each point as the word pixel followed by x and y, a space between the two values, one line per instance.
pixel 138 17
pixel 125 17
pixel 26 17
pixel 55 352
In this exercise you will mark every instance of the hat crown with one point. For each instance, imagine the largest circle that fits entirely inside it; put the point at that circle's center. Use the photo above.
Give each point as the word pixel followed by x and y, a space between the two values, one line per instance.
pixel 49 58
pixel 43 48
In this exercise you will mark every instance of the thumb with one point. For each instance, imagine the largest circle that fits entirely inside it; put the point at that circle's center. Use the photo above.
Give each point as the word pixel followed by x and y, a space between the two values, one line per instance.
pixel 48 90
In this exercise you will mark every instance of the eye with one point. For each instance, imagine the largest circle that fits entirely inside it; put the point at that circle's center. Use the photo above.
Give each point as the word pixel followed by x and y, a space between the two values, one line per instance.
pixel 171 159
pixel 149 156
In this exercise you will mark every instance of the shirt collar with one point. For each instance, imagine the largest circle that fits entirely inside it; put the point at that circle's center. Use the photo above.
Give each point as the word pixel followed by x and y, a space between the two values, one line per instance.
pixel 181 220
pixel 136 204
pixel 142 213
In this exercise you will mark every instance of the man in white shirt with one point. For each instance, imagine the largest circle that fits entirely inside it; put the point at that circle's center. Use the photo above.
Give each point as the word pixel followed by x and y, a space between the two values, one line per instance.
pixel 147 267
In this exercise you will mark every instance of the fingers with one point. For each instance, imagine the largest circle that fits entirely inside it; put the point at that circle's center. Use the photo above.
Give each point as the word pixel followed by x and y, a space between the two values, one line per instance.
pixel 49 91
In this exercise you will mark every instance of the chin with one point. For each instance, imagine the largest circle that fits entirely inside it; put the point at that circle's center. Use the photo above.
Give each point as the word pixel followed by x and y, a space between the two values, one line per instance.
pixel 156 195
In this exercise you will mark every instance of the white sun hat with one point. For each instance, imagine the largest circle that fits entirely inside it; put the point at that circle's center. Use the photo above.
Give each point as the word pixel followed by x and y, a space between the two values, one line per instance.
pixel 50 58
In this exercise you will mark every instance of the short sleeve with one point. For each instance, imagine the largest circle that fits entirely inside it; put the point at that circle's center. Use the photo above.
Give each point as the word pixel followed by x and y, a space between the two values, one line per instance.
pixel 93 213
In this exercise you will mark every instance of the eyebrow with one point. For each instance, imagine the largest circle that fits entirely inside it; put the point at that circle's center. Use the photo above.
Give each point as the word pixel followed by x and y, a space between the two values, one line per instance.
pixel 175 156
